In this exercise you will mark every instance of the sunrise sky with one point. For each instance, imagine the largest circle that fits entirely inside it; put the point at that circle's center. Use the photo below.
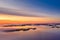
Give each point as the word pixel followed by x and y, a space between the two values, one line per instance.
pixel 29 11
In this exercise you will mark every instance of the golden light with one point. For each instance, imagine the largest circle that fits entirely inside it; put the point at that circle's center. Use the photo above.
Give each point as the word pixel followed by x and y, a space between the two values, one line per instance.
pixel 21 19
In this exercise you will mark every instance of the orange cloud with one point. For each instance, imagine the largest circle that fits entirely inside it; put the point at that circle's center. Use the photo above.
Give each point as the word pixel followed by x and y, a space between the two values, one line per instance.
pixel 4 18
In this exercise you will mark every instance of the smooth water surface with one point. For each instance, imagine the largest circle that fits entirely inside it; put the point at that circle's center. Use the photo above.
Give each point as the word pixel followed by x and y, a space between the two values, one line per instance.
pixel 40 33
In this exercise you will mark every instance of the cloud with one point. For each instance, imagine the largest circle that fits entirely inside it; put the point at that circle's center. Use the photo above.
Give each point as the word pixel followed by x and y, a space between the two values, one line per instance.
pixel 19 12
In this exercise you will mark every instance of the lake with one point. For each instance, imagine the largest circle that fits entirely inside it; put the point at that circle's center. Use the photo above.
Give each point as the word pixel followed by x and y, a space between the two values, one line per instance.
pixel 40 33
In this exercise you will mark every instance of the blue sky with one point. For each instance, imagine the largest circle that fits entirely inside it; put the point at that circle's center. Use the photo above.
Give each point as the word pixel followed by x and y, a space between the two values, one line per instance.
pixel 31 7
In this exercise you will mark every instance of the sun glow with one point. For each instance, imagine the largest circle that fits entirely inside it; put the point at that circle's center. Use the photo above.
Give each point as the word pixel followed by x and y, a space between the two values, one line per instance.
pixel 22 19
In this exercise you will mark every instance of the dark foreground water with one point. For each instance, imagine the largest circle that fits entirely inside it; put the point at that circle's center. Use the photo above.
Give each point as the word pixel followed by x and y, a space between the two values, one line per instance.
pixel 40 33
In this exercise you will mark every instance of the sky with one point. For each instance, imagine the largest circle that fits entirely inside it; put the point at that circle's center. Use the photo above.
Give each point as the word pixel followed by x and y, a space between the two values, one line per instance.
pixel 30 10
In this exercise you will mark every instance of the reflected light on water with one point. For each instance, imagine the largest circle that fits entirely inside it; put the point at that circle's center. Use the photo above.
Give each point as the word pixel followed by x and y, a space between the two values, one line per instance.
pixel 41 33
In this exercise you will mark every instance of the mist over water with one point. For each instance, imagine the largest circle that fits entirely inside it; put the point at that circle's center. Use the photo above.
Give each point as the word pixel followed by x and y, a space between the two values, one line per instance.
pixel 40 33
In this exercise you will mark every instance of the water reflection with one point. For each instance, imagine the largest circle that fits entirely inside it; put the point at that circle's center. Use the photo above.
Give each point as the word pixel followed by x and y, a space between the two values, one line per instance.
pixel 40 33
pixel 14 30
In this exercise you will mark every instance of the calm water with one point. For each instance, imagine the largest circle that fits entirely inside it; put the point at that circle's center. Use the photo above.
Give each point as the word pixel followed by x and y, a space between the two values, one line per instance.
pixel 41 33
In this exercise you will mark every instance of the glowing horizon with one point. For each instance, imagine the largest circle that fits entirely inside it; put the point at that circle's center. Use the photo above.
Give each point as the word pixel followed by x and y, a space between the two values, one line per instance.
pixel 21 19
